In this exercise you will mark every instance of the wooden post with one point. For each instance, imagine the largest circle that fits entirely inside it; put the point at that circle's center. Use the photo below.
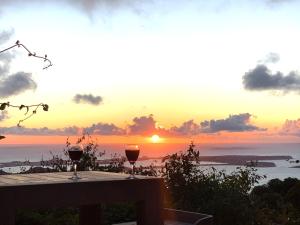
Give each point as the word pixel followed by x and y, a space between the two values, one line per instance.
pixel 7 208
pixel 90 215
pixel 150 210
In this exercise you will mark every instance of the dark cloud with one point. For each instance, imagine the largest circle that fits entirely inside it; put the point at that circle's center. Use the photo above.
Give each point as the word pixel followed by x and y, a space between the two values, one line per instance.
pixel 12 84
pixel 40 131
pixel 89 99
pixel 3 115
pixel 261 78
pixel 104 129
pixel 16 84
pixel 291 127
pixel 234 123
pixel 187 128
pixel 144 125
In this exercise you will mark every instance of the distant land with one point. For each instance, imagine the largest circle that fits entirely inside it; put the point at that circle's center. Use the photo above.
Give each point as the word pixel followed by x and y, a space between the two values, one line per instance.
pixel 235 160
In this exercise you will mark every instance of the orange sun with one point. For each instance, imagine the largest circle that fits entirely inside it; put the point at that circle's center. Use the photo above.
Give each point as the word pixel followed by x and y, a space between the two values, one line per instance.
pixel 155 138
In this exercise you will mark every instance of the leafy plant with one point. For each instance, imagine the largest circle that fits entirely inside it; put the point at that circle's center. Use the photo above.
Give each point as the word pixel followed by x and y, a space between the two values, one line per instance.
pixel 226 196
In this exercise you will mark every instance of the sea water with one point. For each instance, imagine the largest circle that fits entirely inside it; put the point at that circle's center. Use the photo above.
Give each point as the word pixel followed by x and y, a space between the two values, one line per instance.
pixel 283 168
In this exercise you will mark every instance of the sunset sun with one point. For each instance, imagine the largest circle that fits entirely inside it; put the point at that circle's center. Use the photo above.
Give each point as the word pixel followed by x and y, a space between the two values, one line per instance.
pixel 155 138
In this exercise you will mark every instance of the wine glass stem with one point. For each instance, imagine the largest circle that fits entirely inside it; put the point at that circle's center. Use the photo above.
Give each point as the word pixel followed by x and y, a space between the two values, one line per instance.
pixel 132 171
pixel 75 169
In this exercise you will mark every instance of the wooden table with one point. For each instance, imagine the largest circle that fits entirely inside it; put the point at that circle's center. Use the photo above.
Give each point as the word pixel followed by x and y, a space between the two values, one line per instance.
pixel 47 190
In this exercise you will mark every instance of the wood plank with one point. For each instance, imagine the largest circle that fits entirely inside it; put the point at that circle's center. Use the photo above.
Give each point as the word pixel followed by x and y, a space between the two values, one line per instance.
pixel 166 222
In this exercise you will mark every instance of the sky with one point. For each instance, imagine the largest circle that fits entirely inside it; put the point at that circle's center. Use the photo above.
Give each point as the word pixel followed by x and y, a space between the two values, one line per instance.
pixel 125 70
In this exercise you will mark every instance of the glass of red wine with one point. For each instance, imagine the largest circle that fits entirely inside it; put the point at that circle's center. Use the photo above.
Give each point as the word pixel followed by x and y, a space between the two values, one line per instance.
pixel 132 152
pixel 75 153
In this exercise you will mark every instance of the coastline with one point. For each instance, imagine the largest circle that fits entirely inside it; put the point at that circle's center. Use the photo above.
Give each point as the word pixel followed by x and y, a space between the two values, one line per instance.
pixel 227 160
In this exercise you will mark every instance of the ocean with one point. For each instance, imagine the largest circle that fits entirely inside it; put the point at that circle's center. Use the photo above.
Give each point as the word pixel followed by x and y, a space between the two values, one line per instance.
pixel 282 169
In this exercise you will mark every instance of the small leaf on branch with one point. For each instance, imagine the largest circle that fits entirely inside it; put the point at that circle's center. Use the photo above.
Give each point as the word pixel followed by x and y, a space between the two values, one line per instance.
pixel 21 107
pixel 3 106
pixel 45 107
pixel 34 111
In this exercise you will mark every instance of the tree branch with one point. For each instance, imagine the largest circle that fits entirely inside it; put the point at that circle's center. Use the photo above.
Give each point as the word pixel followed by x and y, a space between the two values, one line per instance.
pixel 18 44
pixel 45 107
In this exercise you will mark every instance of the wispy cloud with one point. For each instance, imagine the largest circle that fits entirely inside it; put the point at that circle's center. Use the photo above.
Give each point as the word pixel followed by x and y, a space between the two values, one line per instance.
pixel 16 83
pixel 290 127
pixel 89 99
pixel 5 57
pixel 3 115
pixel 5 35
pixel 104 129
pixel 261 78
pixel 44 131
pixel 272 57
pixel 279 1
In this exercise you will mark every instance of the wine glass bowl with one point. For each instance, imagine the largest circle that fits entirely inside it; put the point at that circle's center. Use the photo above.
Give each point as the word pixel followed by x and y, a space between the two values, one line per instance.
pixel 75 153
pixel 132 152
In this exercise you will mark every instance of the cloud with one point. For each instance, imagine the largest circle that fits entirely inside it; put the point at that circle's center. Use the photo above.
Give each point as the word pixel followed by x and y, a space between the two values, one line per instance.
pixel 144 125
pixel 5 57
pixel 16 84
pixel 291 127
pixel 6 35
pixel 87 6
pixel 261 78
pixel 89 99
pixel 272 57
pixel 5 60
pixel 234 123
pixel 3 115
pixel 44 131
pixel 12 84
pixel 187 128
pixel 104 129
pixel 279 1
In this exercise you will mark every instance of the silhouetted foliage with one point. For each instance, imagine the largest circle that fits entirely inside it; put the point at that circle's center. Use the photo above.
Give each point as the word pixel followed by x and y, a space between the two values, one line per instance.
pixel 5 105
pixel 226 196
pixel 33 54
pixel 277 202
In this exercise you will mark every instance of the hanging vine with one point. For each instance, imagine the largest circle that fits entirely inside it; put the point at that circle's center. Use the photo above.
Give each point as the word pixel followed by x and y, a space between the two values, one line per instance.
pixel 33 54
pixel 45 107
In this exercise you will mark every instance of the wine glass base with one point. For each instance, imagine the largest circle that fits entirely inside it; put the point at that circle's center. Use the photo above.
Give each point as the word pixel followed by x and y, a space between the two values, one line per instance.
pixel 74 178
pixel 132 177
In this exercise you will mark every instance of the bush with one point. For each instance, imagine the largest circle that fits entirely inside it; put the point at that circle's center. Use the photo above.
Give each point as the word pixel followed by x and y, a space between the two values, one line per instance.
pixel 226 196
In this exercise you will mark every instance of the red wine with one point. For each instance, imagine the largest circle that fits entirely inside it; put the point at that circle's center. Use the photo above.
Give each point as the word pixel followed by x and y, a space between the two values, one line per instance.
pixel 75 155
pixel 132 155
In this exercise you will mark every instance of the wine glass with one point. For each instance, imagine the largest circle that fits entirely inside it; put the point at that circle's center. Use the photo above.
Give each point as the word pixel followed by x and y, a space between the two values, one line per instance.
pixel 75 153
pixel 132 152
